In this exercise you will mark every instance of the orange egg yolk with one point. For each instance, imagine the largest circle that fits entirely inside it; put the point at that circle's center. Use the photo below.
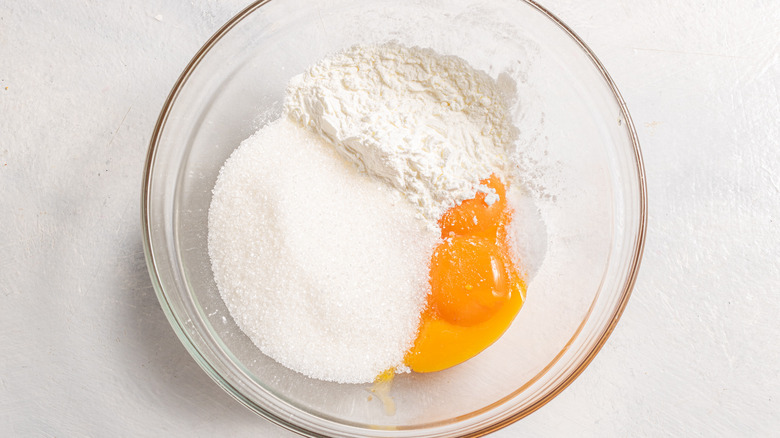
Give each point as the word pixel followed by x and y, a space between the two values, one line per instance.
pixel 469 280
pixel 476 291
pixel 475 216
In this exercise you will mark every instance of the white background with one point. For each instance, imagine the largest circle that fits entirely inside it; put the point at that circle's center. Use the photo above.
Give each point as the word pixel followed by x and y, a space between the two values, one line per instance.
pixel 86 350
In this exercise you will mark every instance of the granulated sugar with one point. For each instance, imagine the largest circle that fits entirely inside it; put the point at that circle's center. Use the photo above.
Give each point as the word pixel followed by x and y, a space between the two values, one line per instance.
pixel 324 268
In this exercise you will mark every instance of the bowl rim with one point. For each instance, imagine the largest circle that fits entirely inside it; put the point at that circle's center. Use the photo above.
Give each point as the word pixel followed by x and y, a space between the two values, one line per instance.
pixel 203 362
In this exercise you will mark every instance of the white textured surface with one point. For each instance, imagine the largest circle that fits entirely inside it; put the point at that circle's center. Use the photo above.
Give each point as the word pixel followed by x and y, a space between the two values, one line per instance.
pixel 86 349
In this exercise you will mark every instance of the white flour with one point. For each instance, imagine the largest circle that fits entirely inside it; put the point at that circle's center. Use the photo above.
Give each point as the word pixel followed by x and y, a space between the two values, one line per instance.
pixel 429 125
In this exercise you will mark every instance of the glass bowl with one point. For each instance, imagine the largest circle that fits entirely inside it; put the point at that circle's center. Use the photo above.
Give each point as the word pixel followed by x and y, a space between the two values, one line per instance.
pixel 584 209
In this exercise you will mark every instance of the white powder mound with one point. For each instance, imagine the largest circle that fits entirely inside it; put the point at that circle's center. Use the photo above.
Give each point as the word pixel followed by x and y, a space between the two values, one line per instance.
pixel 429 125
pixel 324 268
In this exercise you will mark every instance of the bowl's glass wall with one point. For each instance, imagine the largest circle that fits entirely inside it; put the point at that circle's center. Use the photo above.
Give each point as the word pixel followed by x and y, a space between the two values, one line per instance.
pixel 582 185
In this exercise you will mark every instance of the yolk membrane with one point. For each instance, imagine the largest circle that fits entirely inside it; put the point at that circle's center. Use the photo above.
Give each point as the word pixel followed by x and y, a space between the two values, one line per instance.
pixel 469 280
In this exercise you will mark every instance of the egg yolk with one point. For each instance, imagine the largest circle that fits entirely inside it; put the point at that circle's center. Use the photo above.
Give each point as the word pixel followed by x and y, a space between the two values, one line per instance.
pixel 474 216
pixel 476 291
pixel 469 280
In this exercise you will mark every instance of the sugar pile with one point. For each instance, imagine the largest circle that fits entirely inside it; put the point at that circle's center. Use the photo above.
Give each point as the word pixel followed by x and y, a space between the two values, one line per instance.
pixel 318 264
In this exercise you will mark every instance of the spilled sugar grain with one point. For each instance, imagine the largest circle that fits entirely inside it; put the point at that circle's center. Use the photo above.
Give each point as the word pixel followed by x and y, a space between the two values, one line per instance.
pixel 325 269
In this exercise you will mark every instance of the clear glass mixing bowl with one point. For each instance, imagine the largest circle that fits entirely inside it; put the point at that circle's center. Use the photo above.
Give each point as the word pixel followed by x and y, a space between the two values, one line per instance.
pixel 584 183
